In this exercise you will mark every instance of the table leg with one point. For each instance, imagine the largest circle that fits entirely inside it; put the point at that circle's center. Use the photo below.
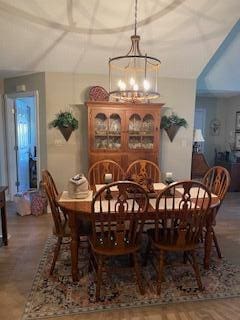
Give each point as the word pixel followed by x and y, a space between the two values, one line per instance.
pixel 73 224
pixel 208 242
pixel 4 224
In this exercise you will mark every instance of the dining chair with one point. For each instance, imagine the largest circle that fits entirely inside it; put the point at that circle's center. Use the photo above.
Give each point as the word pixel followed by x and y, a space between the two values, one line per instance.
pixel 142 169
pixel 217 180
pixel 181 210
pixel 117 225
pixel 61 228
pixel 96 173
pixel 49 179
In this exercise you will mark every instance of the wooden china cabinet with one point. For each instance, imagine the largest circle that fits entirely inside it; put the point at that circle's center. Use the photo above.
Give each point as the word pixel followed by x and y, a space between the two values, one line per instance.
pixel 123 132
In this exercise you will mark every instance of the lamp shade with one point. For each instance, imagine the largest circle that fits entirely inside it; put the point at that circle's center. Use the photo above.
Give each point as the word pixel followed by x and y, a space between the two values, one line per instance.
pixel 198 137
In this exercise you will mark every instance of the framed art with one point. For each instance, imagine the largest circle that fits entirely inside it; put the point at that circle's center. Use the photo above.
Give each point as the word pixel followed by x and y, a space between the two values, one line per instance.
pixel 237 141
pixel 215 126
pixel 237 128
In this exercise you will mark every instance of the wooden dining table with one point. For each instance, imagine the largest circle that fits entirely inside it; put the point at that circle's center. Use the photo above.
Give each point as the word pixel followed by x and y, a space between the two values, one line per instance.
pixel 80 209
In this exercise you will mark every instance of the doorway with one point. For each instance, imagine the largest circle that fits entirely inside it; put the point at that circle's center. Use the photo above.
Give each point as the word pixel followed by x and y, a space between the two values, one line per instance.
pixel 23 163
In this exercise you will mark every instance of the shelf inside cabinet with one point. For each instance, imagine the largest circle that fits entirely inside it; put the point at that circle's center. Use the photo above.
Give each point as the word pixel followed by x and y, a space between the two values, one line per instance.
pixel 123 132
pixel 141 133
pixel 112 134
pixel 147 134
pixel 101 133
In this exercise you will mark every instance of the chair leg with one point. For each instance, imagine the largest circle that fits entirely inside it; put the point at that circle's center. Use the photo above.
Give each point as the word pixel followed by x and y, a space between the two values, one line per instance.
pixel 185 257
pixel 90 259
pixel 160 272
pixel 138 274
pixel 99 277
pixel 56 252
pixel 216 245
pixel 146 256
pixel 196 270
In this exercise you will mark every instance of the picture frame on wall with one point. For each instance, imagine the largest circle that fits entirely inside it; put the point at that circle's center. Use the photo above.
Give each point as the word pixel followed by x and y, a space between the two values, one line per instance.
pixel 237 127
pixel 237 141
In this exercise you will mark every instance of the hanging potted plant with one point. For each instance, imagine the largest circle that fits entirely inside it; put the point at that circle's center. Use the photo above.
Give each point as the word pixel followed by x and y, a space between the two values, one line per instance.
pixel 171 125
pixel 66 123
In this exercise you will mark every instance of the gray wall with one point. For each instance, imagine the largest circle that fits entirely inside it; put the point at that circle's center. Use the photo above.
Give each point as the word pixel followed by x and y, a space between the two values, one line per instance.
pixel 69 91
pixel 65 91
pixel 222 73
pixel 224 109
pixel 179 97
pixel 2 137
pixel 232 108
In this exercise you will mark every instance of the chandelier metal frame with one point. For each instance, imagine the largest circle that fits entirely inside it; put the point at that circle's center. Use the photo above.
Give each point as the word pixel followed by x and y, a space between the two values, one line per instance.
pixel 128 65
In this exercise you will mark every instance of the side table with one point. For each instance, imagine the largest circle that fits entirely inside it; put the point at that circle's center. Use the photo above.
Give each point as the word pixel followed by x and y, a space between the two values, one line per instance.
pixel 199 166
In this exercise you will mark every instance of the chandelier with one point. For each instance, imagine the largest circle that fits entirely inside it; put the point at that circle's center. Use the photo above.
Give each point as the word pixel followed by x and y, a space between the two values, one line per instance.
pixel 134 76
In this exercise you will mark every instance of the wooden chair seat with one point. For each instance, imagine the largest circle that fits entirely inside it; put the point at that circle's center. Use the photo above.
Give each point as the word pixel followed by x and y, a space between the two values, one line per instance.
pixel 110 249
pixel 167 241
pixel 84 229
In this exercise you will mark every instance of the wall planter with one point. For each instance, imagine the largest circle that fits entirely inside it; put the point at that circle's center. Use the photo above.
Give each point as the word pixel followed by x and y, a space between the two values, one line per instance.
pixel 66 132
pixel 66 123
pixel 172 131
pixel 171 125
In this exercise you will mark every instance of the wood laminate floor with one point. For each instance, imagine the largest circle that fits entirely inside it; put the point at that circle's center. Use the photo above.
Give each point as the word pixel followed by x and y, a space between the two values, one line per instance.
pixel 19 260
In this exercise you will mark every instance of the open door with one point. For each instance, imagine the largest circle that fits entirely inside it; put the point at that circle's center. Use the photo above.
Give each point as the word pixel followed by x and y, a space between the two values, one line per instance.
pixel 22 142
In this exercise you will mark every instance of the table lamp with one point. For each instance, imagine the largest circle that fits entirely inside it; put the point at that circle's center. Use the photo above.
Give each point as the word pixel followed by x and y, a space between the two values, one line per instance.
pixel 198 137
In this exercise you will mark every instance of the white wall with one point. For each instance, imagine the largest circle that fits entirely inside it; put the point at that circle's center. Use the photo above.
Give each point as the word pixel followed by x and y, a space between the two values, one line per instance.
pixel 64 91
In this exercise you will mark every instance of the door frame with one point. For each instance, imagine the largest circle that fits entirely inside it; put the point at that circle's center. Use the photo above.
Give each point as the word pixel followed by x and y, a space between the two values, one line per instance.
pixel 10 140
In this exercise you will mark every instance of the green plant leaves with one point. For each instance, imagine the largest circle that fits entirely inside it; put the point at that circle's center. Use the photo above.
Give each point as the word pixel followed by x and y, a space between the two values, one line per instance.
pixel 168 121
pixel 64 120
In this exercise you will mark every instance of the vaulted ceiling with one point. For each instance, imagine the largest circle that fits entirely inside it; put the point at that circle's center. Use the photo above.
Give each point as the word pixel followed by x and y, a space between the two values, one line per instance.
pixel 79 36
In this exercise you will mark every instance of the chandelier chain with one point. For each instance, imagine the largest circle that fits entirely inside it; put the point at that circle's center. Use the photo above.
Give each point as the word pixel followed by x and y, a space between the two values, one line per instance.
pixel 135 26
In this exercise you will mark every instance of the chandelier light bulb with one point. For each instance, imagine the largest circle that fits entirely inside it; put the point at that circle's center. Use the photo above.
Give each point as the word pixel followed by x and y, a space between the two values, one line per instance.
pixel 135 87
pixel 146 85
pixel 123 86
pixel 132 82
pixel 119 84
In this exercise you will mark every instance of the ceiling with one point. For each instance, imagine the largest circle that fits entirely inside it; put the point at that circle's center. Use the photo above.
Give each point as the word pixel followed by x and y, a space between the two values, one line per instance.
pixel 79 36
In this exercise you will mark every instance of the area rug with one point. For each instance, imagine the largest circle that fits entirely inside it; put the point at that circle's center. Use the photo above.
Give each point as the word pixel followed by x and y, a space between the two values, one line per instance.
pixel 57 295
